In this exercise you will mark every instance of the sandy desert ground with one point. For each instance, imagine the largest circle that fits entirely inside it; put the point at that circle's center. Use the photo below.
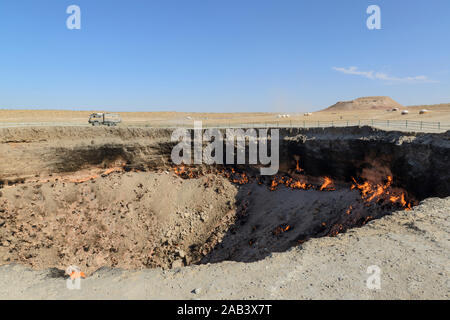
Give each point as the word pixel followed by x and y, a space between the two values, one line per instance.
pixel 438 113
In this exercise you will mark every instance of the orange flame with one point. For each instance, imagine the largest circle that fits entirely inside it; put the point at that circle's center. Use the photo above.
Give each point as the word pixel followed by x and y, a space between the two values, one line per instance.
pixel 297 168
pixel 349 210
pixel 326 183
pixel 370 192
pixel 75 275
pixel 281 228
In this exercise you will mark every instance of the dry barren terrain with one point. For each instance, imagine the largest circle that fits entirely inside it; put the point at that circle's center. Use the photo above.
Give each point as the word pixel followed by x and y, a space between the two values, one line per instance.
pixel 438 113
pixel 410 248
pixel 109 201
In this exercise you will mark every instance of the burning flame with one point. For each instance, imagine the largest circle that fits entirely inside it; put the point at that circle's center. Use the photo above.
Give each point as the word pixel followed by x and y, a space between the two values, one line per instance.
pixel 327 181
pixel 288 182
pixel 394 198
pixel 349 210
pixel 297 168
pixel 75 275
pixel 241 178
pixel 280 229
pixel 187 173
pixel 74 272
pixel 371 192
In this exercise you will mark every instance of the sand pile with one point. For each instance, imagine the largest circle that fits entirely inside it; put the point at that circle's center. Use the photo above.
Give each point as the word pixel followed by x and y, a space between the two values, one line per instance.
pixel 125 220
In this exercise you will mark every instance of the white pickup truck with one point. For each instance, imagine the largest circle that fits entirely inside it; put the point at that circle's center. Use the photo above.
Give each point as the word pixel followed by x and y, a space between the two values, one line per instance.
pixel 106 119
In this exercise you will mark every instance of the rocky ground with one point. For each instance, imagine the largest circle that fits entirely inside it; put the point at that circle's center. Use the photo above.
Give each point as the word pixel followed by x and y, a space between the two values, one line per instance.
pixel 108 201
pixel 135 220
pixel 411 248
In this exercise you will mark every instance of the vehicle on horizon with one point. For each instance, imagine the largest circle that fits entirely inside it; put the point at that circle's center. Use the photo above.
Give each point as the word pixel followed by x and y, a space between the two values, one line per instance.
pixel 106 119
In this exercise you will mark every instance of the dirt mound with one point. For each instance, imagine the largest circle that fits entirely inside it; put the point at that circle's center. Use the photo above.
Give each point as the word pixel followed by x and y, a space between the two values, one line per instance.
pixel 126 220
pixel 365 103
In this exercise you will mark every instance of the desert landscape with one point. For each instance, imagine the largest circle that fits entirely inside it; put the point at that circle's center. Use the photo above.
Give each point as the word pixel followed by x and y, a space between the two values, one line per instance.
pixel 110 201
pixel 232 158
pixel 367 108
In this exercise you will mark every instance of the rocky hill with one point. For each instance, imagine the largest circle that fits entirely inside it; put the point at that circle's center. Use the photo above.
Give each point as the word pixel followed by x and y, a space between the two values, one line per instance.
pixel 365 103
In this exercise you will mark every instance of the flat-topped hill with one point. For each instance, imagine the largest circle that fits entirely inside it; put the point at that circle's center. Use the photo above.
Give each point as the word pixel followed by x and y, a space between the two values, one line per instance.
pixel 365 103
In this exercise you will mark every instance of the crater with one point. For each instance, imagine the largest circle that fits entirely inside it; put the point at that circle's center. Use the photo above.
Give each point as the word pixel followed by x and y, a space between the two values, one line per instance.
pixel 124 205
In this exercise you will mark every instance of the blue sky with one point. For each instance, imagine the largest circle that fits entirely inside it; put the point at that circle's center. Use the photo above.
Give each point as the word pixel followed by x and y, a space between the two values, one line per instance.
pixel 221 55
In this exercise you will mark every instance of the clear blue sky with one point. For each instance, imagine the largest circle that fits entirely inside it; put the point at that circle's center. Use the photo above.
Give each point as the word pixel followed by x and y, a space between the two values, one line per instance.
pixel 221 55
